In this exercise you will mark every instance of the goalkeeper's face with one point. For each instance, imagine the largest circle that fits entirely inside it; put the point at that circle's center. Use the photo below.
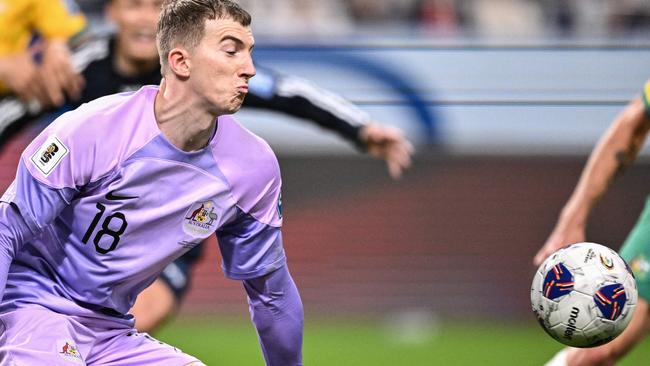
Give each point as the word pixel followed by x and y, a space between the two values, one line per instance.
pixel 221 65
pixel 136 23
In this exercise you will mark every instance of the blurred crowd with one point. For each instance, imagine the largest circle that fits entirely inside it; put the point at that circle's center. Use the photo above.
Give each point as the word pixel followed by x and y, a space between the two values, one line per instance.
pixel 35 60
pixel 447 17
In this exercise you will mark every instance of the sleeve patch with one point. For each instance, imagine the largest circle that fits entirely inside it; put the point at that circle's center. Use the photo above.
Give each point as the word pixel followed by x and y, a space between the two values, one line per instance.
pixel 49 155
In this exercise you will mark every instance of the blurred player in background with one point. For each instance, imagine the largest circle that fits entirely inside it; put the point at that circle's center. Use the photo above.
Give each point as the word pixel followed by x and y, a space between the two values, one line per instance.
pixel 110 193
pixel 616 151
pixel 31 29
pixel 129 59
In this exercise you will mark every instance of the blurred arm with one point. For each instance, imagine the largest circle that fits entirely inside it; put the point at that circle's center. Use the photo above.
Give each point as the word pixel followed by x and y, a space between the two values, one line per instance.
pixel 615 151
pixel 58 21
pixel 15 114
pixel 303 99
pixel 19 72
pixel 300 98
pixel 27 207
pixel 277 312
pixel 13 231
pixel 59 75
pixel 388 144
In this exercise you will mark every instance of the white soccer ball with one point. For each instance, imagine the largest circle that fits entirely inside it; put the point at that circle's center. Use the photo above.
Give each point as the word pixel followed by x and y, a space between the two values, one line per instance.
pixel 584 295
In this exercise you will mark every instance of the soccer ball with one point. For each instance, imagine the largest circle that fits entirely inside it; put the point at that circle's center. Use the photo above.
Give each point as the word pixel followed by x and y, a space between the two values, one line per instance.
pixel 584 295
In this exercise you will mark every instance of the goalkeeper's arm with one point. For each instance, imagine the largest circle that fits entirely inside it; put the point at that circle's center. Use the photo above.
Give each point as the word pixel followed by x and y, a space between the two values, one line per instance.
pixel 277 312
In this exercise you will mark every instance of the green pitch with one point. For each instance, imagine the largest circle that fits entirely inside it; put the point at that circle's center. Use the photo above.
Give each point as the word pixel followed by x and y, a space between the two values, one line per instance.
pixel 219 342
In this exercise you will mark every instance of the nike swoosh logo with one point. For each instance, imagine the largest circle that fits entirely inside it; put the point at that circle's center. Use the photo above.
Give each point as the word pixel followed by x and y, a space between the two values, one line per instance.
pixel 113 197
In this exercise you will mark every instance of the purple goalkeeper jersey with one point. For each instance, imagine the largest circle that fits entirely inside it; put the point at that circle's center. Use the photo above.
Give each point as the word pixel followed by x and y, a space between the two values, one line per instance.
pixel 110 202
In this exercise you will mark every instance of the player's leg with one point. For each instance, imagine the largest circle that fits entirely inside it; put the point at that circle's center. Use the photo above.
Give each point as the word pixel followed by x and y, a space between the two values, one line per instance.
pixel 153 306
pixel 37 336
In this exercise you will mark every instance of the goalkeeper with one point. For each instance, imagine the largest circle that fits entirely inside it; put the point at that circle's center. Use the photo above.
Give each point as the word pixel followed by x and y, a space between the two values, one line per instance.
pixel 128 59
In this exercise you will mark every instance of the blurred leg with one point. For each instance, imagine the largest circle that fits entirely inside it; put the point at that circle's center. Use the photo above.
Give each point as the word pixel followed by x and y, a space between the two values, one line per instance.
pixel 153 306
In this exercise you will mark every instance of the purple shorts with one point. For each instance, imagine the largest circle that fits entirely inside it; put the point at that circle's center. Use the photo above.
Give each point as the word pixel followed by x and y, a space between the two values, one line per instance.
pixel 37 336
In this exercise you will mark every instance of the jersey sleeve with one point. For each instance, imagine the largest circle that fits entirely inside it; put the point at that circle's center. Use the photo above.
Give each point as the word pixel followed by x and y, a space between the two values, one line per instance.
pixel 13 233
pixel 250 248
pixel 37 203
pixel 57 19
pixel 54 168
pixel 646 97
pixel 277 312
pixel 251 242
pixel 69 153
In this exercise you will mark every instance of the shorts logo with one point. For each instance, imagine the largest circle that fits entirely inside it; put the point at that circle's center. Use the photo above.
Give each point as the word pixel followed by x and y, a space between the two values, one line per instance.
pixel 200 219
pixel 68 350
pixel 49 155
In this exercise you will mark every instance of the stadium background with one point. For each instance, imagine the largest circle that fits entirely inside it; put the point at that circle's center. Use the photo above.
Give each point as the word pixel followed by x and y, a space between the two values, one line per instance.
pixel 504 99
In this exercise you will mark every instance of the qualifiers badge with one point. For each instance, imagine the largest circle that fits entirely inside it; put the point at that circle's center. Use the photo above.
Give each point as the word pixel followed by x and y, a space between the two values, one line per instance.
pixel 200 219
pixel 49 155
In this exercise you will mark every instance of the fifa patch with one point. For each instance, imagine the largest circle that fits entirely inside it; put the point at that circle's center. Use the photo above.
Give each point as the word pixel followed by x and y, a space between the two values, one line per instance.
pixel 280 205
pixel 69 351
pixel 49 155
pixel 200 219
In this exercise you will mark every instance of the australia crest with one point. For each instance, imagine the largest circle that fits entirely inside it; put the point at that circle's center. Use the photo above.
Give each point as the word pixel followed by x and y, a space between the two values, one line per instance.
pixel 200 219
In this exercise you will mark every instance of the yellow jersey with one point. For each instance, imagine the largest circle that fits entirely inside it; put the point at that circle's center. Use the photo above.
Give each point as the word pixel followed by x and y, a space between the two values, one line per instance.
pixel 21 19
pixel 50 19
